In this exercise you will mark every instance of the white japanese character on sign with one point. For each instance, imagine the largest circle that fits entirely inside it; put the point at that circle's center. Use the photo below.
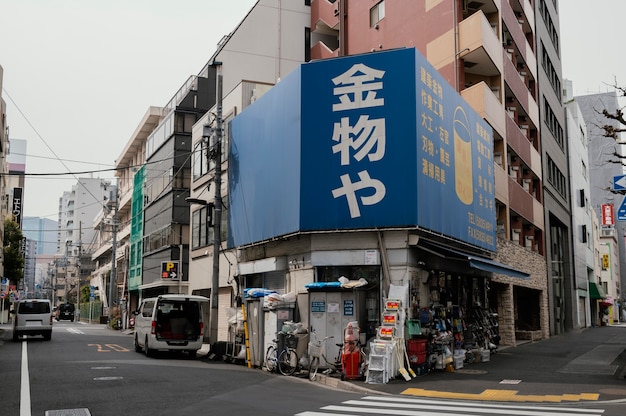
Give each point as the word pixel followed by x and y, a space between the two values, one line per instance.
pixel 357 88
pixel 367 137
pixel 349 190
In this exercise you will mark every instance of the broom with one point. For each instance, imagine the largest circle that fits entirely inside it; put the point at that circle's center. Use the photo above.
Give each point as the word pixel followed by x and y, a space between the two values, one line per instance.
pixel 401 368
pixel 408 362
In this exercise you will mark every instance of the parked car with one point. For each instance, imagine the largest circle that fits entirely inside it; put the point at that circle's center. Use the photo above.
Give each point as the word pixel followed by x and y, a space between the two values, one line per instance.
pixel 65 311
pixel 169 322
pixel 32 317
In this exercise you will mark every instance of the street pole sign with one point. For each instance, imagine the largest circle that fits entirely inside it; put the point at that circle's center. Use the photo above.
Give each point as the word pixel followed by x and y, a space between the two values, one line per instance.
pixel 169 270
pixel 619 183
pixel 621 212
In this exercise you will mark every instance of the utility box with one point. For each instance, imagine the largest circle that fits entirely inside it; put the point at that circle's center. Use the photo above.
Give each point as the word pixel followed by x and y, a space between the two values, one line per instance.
pixel 330 311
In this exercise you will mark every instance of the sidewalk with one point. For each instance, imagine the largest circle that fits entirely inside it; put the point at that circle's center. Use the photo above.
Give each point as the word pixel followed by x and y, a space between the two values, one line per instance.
pixel 586 364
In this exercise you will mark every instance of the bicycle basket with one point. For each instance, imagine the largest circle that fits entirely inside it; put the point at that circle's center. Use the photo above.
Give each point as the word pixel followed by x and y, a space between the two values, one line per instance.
pixel 315 349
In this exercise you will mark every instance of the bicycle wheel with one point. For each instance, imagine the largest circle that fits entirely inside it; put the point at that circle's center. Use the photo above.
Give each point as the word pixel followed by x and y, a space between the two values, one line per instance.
pixel 270 359
pixel 313 366
pixel 287 361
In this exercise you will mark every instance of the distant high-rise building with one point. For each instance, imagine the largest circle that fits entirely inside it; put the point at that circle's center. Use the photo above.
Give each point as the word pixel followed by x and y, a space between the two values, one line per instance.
pixel 43 231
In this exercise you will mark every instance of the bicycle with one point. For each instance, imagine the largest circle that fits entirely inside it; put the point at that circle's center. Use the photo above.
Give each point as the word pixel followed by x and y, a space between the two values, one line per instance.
pixel 286 359
pixel 316 351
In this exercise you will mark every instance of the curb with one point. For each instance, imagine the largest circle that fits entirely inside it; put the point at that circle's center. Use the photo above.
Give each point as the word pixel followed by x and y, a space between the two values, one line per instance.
pixel 345 385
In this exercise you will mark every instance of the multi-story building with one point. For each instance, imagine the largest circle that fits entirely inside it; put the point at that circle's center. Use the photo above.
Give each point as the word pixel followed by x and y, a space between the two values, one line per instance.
pixel 269 43
pixel 76 236
pixel 583 215
pixel 43 231
pixel 556 199
pixel 130 171
pixel 488 52
pixel 604 165
pixel 4 148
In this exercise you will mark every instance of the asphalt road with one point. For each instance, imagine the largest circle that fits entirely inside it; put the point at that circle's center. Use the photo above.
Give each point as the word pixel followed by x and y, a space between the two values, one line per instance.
pixel 88 369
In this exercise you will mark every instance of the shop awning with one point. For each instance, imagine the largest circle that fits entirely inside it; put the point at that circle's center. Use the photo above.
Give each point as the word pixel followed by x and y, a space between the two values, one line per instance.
pixel 596 291
pixel 474 261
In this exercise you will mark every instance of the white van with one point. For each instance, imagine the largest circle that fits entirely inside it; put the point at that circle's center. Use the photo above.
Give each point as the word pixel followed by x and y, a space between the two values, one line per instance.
pixel 170 322
pixel 32 317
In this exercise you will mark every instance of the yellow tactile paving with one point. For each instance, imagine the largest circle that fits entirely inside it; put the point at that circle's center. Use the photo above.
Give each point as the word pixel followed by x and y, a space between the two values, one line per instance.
pixel 503 396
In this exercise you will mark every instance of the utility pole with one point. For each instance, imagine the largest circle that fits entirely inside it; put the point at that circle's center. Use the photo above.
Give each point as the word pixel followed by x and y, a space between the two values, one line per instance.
pixel 113 279
pixel 217 218
pixel 78 264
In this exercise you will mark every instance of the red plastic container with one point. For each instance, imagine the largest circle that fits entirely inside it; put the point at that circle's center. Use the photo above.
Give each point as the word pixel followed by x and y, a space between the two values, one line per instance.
pixel 416 350
pixel 351 364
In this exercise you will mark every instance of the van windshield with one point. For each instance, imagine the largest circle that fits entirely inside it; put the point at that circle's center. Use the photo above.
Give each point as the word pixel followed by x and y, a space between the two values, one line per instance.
pixel 34 307
pixel 66 307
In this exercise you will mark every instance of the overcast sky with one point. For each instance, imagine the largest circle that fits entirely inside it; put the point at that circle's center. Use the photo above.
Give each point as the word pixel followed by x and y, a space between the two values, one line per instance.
pixel 80 74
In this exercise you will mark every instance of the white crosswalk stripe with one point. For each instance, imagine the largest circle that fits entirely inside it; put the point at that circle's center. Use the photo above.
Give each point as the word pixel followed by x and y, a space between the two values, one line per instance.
pixel 401 406
pixel 75 331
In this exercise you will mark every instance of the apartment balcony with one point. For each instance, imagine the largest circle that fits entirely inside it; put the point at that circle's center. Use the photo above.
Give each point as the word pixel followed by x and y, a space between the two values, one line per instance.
pixel 101 251
pixel 524 203
pixel 325 13
pixel 321 51
pixel 518 86
pixel 482 98
pixel 124 233
pixel 480 46
pixel 324 29
pixel 517 140
pixel 124 202
pixel 502 183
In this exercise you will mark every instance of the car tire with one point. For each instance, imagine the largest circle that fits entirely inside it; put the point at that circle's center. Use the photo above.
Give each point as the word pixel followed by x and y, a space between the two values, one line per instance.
pixel 193 353
pixel 16 336
pixel 47 336
pixel 149 352
pixel 137 346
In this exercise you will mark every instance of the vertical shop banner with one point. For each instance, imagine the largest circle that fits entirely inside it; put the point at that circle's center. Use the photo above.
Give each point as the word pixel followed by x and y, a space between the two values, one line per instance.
pixel 365 141
pixel 608 215
pixel 17 207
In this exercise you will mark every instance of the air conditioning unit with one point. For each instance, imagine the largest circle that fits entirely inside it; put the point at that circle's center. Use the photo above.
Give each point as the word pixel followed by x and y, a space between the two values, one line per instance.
pixel 515 232
pixel 497 158
pixel 527 183
pixel 513 171
pixel 529 241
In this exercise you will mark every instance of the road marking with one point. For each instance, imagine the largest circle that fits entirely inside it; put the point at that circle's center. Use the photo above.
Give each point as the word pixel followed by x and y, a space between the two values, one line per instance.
pixel 74 331
pixel 107 378
pixel 111 347
pixel 407 406
pixel 503 396
pixel 25 383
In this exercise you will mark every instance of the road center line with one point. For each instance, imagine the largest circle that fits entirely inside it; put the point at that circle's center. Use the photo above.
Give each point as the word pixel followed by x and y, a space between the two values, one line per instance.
pixel 25 384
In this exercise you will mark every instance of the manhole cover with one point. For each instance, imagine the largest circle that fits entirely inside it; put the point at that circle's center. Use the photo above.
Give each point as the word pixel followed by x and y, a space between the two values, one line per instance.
pixel 510 381
pixel 468 371
pixel 68 412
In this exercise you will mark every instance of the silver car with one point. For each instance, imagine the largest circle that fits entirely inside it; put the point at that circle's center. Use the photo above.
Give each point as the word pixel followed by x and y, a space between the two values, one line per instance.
pixel 32 317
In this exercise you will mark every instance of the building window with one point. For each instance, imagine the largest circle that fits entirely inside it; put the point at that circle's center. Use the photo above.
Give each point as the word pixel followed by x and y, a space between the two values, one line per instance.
pixel 556 178
pixel 307 44
pixel 377 13
pixel 201 232
pixel 200 159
